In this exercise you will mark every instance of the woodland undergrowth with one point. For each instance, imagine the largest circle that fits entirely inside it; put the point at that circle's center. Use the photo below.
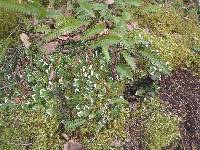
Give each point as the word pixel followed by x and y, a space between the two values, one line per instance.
pixel 65 65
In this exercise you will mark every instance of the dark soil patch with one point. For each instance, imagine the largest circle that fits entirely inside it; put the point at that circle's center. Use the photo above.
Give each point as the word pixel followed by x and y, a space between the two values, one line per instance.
pixel 135 126
pixel 181 93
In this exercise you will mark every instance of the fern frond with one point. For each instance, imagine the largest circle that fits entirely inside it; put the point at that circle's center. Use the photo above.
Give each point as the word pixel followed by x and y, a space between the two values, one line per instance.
pixel 105 51
pixel 87 7
pixel 155 60
pixel 97 29
pixel 28 9
pixel 72 125
pixel 128 3
pixel 66 27
pixel 43 29
pixel 196 50
pixel 124 71
pixel 51 13
pixel 107 40
pixel 24 9
pixel 134 2
pixel 130 60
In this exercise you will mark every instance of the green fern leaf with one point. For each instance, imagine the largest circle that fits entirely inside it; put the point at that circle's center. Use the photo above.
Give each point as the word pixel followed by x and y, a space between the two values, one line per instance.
pixel 66 27
pixel 43 29
pixel 24 9
pixel 51 13
pixel 100 6
pixel 124 71
pixel 118 101
pixel 93 31
pixel 87 7
pixel 134 2
pixel 155 60
pixel 106 52
pixel 197 50
pixel 28 9
pixel 72 125
pixel 125 3
pixel 130 60
pixel 107 40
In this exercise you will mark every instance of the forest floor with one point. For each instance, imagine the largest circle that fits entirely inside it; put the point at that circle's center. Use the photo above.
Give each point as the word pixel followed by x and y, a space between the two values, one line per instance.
pixel 27 122
pixel 180 93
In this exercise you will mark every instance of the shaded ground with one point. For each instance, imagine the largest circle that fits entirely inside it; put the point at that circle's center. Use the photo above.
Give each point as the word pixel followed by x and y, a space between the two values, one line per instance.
pixel 180 92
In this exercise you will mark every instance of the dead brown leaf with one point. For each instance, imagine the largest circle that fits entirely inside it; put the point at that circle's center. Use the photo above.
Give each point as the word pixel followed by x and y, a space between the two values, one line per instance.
pixel 132 25
pixel 50 47
pixel 63 37
pixel 53 75
pixel 77 38
pixel 109 2
pixel 65 136
pixel 71 145
pixel 25 40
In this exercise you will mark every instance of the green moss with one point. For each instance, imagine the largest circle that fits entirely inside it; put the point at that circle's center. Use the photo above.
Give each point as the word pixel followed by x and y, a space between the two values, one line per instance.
pixel 8 24
pixel 194 64
pixel 173 32
pixel 9 21
pixel 103 138
pixel 171 50
pixel 20 126
pixel 161 129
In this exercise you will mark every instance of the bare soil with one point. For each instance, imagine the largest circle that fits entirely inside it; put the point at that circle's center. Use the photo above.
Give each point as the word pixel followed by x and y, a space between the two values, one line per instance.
pixel 180 93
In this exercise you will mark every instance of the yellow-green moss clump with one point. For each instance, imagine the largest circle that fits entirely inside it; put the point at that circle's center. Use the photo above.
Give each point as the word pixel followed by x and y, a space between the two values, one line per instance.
pixel 173 32
pixel 21 128
pixel 105 137
pixel 160 128
pixel 9 21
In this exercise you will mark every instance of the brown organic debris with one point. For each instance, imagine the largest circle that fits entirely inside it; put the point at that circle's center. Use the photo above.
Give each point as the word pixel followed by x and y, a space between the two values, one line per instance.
pixel 181 93
pixel 50 47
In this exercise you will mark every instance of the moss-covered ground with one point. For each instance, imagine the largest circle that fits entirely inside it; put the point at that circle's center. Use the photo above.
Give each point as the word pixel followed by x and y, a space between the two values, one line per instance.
pixel 174 32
